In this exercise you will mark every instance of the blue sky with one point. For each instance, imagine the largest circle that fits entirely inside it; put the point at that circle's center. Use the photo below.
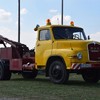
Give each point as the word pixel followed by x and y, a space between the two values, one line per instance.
pixel 85 13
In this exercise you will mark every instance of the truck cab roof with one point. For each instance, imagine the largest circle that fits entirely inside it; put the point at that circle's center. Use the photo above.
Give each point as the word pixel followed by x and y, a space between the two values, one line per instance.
pixel 50 26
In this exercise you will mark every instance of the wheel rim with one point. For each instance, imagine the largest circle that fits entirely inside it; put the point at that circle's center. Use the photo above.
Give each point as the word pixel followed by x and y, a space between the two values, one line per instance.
pixel 56 72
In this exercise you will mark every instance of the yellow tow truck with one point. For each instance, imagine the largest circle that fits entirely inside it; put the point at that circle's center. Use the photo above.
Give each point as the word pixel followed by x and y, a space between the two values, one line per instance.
pixel 64 49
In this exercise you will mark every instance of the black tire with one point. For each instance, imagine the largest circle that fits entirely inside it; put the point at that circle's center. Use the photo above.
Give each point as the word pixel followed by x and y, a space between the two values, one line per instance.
pixel 5 73
pixel 58 73
pixel 91 76
pixel 30 75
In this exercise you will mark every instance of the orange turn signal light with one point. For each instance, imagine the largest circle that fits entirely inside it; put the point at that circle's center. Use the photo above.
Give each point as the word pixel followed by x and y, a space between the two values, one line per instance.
pixel 72 23
pixel 48 22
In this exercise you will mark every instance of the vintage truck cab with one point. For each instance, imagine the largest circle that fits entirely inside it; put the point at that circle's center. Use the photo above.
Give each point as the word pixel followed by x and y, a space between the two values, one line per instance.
pixel 63 49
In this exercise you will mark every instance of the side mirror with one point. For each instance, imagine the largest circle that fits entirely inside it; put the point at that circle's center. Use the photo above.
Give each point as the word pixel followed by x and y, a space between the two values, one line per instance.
pixel 88 37
pixel 36 28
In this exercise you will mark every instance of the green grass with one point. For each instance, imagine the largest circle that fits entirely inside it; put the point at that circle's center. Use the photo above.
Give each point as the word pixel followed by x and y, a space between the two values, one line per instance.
pixel 42 89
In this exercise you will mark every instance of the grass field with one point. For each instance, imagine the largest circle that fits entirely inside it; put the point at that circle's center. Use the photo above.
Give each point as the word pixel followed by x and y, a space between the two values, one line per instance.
pixel 42 89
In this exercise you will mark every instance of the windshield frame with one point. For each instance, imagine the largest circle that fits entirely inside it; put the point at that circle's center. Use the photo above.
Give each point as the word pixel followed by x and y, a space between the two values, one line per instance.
pixel 72 30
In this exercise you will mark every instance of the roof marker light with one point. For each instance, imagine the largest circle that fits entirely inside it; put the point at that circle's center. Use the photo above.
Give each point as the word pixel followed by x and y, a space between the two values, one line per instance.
pixel 72 23
pixel 48 22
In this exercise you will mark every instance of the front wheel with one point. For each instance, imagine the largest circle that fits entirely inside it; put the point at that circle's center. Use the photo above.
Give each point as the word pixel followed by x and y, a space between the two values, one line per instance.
pixel 58 73
pixel 91 76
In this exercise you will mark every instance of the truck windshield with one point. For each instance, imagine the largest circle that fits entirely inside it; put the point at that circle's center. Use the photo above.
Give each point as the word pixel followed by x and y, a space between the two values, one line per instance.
pixel 68 33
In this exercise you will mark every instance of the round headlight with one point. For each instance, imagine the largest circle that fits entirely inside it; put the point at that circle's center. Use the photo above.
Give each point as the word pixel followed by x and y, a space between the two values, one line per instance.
pixel 79 55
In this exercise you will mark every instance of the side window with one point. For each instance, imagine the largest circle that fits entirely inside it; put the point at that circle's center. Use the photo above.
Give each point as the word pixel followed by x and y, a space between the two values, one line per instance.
pixel 44 35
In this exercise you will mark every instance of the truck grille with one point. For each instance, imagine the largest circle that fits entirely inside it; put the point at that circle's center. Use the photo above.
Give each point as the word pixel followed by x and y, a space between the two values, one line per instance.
pixel 94 52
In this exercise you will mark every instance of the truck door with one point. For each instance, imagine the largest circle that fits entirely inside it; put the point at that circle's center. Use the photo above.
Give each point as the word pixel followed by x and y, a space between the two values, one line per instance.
pixel 43 47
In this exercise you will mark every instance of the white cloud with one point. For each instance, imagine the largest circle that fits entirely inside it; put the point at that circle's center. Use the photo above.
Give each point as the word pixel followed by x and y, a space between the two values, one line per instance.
pixel 27 38
pixel 57 19
pixel 95 36
pixel 5 16
pixel 8 33
pixel 23 11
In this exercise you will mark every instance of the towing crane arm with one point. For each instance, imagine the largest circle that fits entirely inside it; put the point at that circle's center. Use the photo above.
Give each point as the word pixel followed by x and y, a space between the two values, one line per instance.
pixel 15 59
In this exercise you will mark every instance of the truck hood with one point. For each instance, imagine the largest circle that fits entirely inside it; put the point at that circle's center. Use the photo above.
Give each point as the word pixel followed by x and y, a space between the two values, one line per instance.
pixel 75 44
